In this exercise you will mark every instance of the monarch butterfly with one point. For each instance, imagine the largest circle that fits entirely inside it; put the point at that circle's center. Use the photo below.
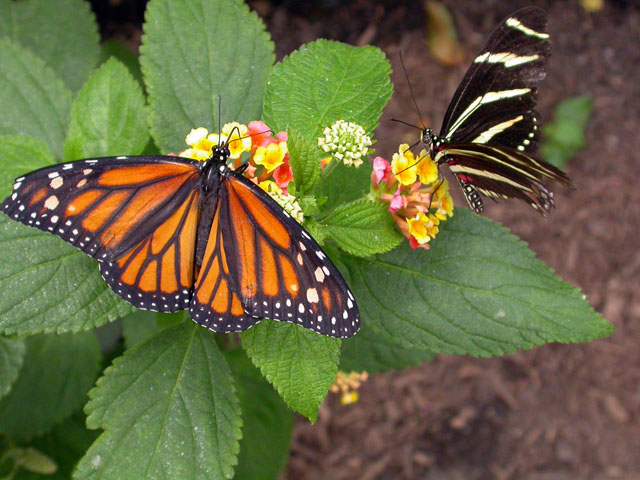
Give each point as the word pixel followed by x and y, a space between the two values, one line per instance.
pixel 172 233
pixel 490 130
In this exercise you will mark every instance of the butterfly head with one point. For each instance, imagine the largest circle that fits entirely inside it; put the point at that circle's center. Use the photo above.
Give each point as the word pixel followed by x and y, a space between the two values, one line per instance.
pixel 220 153
pixel 427 138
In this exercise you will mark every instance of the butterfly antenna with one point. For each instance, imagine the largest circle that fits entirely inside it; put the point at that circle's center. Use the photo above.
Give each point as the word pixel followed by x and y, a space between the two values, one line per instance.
pixel 434 192
pixel 219 116
pixel 405 123
pixel 413 97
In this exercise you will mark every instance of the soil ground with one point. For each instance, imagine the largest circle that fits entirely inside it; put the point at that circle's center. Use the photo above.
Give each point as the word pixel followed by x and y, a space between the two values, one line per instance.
pixel 558 411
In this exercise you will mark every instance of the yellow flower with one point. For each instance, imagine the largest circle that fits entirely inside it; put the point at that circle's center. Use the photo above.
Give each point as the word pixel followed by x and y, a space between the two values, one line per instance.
pixel 403 165
pixel 423 228
pixel 271 156
pixel 200 145
pixel 444 202
pixel 234 133
pixel 427 169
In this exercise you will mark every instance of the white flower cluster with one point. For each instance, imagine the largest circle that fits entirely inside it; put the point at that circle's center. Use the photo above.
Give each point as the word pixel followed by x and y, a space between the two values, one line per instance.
pixel 288 202
pixel 346 141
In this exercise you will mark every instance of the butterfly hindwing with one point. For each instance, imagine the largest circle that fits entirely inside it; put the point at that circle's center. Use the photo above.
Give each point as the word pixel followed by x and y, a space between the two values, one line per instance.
pixel 277 269
pixel 215 303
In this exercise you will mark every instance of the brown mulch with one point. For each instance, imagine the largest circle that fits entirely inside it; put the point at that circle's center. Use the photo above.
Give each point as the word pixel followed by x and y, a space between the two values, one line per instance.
pixel 555 412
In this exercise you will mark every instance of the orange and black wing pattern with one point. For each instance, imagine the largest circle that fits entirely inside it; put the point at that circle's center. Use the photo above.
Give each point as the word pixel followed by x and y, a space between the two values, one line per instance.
pixel 137 215
pixel 275 268
pixel 215 303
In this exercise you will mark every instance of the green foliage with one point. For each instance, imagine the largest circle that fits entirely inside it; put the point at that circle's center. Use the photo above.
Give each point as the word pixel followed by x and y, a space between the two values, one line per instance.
pixel 69 45
pixel 325 81
pixel 564 137
pixel 371 352
pixel 478 291
pixel 363 228
pixel 196 51
pixel 37 98
pixel 108 116
pixel 49 286
pixel 267 422
pixel 61 448
pixel 168 409
pixel 11 357
pixel 299 363
pixel 56 375
pixel 175 403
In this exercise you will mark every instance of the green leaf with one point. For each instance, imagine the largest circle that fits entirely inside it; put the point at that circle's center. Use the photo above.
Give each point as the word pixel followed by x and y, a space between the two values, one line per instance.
pixel 64 445
pixel 299 363
pixel 19 155
pixel 108 115
pixel 564 137
pixel 326 81
pixel 118 49
pixel 305 162
pixel 194 51
pixel 478 291
pixel 267 422
pixel 363 228
pixel 62 33
pixel 141 325
pixel 344 184
pixel 35 101
pixel 58 371
pixel 168 410
pixel 11 357
pixel 371 352
pixel 48 285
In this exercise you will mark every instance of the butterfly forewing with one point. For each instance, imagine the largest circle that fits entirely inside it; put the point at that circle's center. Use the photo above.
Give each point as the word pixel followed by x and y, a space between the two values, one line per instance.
pixel 277 269
pixel 498 92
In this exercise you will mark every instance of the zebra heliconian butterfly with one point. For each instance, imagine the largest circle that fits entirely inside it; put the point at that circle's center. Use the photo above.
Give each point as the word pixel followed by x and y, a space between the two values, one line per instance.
pixel 490 130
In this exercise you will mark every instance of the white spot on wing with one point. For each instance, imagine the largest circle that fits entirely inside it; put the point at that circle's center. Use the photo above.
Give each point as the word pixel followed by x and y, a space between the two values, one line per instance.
pixel 52 202
pixel 312 295
pixel 319 274
pixel 56 183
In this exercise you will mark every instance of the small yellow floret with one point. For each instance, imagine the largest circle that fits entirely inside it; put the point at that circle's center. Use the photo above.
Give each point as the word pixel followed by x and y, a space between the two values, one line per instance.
pixel 403 165
pixel 271 156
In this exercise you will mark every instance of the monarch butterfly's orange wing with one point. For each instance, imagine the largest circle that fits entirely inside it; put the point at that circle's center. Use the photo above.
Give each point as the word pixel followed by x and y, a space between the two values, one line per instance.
pixel 277 270
pixel 215 304
pixel 137 215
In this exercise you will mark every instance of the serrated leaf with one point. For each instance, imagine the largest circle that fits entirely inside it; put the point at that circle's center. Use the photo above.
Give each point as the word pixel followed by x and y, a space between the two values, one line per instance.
pixel 362 228
pixel 108 116
pixel 325 81
pixel 478 291
pixel 371 352
pixel 62 33
pixel 267 422
pixel 50 286
pixel 168 409
pixel 35 101
pixel 11 357
pixel 57 372
pixel 304 161
pixel 299 363
pixel 194 51
pixel 64 445
pixel 19 155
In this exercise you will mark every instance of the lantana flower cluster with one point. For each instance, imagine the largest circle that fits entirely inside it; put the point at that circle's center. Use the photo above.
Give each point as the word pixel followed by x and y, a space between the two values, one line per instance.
pixel 418 199
pixel 268 166
pixel 345 141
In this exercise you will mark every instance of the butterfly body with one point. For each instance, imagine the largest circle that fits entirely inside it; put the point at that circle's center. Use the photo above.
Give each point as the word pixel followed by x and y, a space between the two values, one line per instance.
pixel 490 131
pixel 172 233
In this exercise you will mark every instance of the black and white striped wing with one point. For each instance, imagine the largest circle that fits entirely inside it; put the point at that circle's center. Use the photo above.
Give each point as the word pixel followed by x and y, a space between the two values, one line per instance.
pixel 494 103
